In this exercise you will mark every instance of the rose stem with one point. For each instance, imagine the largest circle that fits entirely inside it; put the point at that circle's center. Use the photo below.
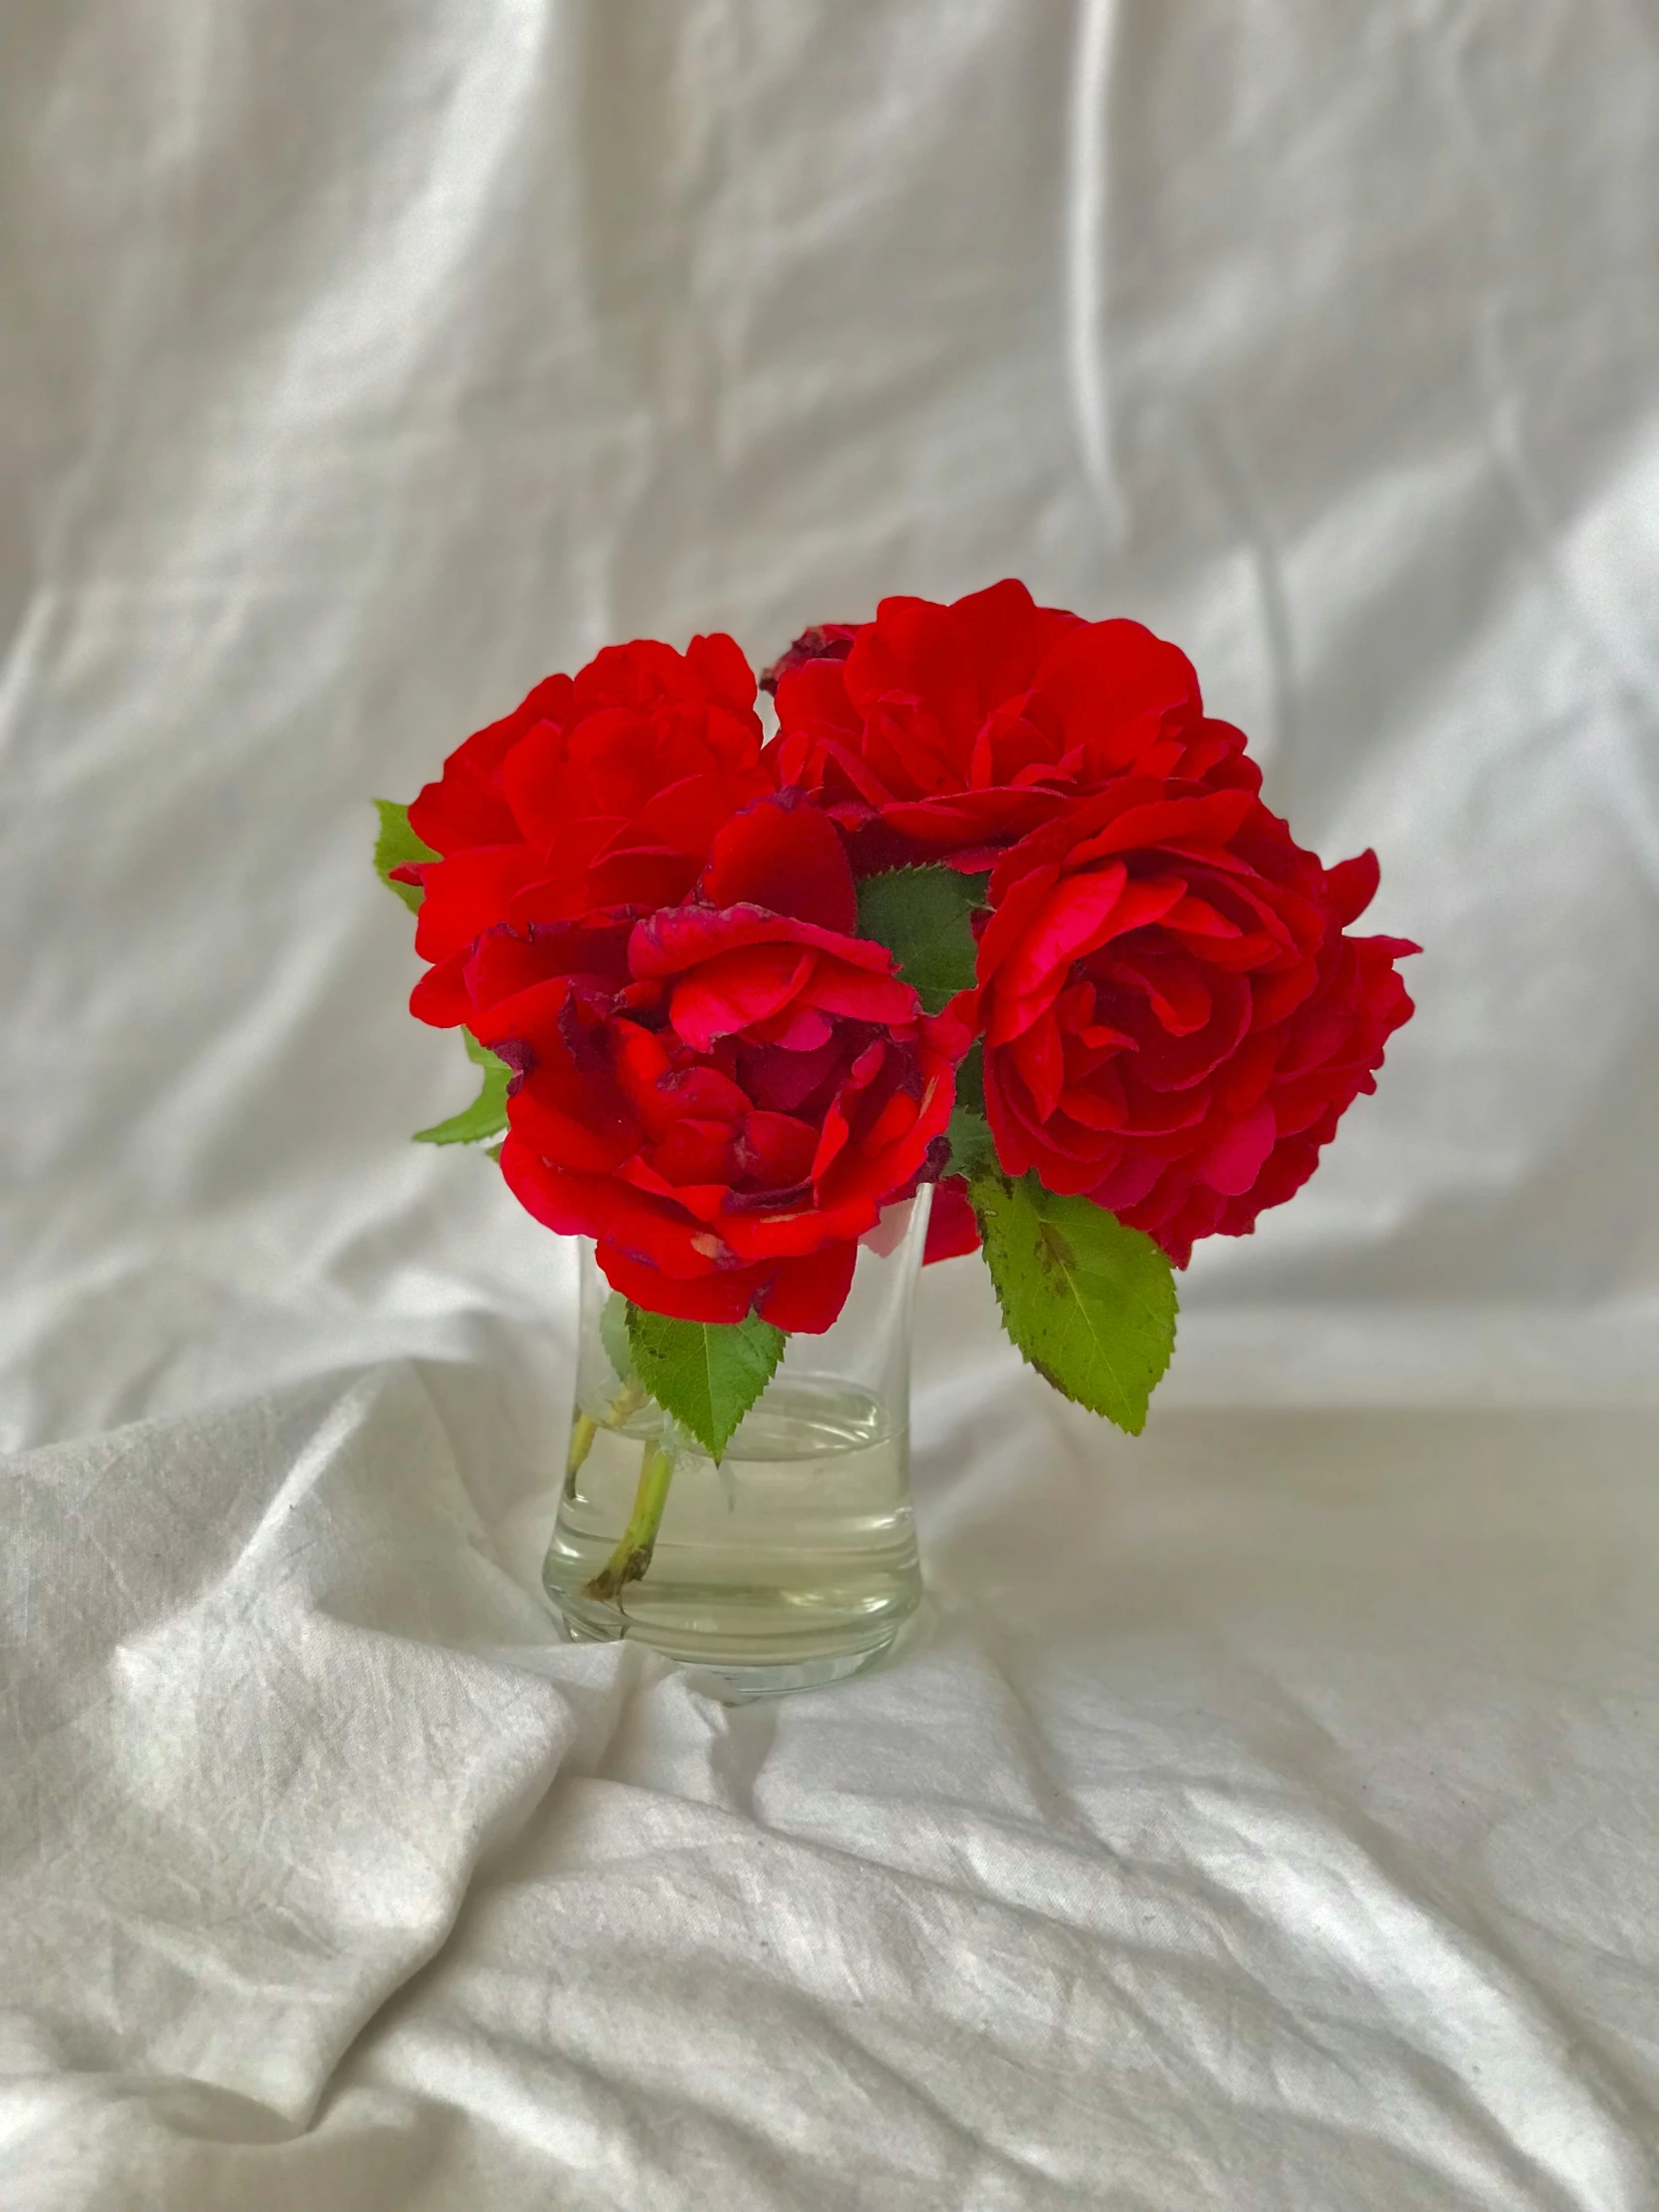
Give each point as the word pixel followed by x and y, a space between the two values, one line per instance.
pixel 583 1431
pixel 633 1555
pixel 623 1407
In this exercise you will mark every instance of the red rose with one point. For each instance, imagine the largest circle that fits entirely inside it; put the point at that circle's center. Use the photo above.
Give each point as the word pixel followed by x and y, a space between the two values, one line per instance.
pixel 947 733
pixel 602 790
pixel 1174 1019
pixel 723 1093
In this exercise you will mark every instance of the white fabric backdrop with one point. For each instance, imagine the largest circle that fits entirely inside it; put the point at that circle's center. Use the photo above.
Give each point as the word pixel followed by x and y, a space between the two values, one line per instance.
pixel 1267 1815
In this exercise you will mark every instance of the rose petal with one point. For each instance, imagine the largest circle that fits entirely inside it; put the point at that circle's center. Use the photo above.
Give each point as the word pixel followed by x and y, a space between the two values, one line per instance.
pixel 718 1294
pixel 837 987
pixel 788 859
pixel 692 1151
pixel 440 997
pixel 1352 886
pixel 952 1226
pixel 776 1150
pixel 806 1295
pixel 733 989
pixel 667 943
pixel 467 895
pixel 797 1028
pixel 1232 1165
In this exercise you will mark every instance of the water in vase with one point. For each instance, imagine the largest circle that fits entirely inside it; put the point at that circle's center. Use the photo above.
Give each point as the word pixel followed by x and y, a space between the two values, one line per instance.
pixel 797 1552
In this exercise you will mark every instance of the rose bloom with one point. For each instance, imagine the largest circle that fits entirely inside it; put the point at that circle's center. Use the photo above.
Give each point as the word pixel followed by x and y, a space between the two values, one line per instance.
pixel 1174 1018
pixel 941 733
pixel 724 1093
pixel 603 788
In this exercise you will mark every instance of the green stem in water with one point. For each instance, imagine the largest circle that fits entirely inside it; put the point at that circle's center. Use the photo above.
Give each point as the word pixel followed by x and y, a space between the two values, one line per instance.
pixel 582 1433
pixel 632 1555
pixel 584 1428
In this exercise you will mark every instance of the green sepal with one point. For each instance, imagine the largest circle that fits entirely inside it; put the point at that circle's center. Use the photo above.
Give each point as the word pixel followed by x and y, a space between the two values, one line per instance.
pixel 706 1374
pixel 1090 1304
pixel 398 847
pixel 921 916
pixel 487 1115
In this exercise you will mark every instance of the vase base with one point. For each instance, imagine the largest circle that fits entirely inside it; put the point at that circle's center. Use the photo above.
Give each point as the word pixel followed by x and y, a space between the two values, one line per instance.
pixel 729 1677
pixel 743 1685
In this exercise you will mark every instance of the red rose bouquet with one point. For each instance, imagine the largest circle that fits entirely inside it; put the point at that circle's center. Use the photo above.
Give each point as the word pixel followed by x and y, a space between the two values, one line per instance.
pixel 999 906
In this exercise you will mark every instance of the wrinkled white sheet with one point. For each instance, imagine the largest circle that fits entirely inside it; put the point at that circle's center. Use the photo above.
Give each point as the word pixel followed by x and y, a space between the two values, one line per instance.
pixel 1268 1812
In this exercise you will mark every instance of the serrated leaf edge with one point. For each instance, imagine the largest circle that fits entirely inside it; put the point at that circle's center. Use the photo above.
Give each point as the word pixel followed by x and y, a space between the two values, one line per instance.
pixel 935 998
pixel 392 816
pixel 497 1075
pixel 715 1450
pixel 1054 1383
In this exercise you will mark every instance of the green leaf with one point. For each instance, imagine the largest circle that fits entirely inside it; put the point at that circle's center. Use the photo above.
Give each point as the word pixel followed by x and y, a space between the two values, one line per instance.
pixel 613 1335
pixel 487 1115
pixel 1090 1304
pixel 970 1080
pixel 921 916
pixel 397 846
pixel 971 1151
pixel 706 1374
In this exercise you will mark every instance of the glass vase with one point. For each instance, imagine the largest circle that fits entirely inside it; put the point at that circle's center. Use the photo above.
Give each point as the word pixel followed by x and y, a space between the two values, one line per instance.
pixel 791 1563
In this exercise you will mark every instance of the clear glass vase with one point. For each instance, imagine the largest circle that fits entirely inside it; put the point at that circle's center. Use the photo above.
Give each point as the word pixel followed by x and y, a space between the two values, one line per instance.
pixel 793 1561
